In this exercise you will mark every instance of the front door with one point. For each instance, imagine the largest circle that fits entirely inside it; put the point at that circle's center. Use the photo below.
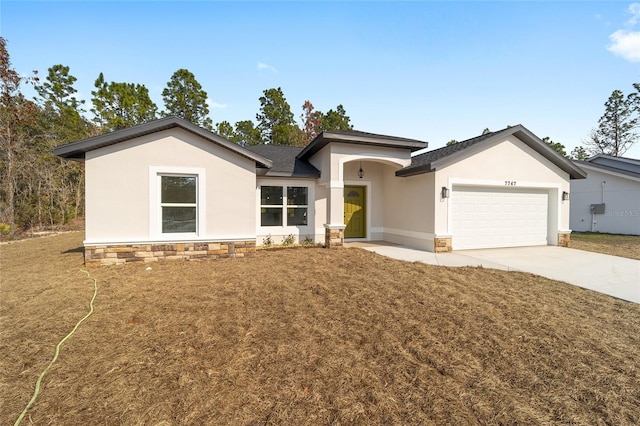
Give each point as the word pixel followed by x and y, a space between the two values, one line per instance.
pixel 354 212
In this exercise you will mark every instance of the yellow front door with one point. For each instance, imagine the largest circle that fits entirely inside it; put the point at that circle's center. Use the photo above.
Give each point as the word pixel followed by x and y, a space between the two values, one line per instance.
pixel 354 212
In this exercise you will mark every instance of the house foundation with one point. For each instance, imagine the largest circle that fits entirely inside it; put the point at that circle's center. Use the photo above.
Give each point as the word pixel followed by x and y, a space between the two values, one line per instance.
pixel 125 253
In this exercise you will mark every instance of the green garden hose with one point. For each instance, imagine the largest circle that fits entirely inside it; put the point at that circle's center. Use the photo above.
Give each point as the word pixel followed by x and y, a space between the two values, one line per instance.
pixel 55 357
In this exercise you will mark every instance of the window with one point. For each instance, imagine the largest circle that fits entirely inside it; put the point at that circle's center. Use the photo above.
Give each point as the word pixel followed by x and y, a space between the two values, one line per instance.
pixel 178 202
pixel 278 202
pixel 296 205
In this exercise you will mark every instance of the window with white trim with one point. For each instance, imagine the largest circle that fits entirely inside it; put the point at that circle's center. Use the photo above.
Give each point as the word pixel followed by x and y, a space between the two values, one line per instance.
pixel 179 204
pixel 280 202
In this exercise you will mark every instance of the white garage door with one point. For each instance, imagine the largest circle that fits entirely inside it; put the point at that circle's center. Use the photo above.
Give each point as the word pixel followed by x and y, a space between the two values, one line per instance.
pixel 498 217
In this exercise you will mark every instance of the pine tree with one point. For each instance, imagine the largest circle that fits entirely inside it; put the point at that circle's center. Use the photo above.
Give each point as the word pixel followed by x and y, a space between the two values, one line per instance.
pixel 616 131
pixel 275 119
pixel 58 91
pixel 579 153
pixel 556 146
pixel 185 98
pixel 246 133
pixel 336 120
pixel 225 129
pixel 121 105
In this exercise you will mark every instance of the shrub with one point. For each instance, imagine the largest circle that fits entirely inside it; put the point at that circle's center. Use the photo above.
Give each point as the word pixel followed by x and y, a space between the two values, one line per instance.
pixel 308 241
pixel 267 241
pixel 4 228
pixel 288 240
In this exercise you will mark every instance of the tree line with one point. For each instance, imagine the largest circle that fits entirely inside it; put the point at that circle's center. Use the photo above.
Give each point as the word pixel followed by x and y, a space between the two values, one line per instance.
pixel 39 190
pixel 617 131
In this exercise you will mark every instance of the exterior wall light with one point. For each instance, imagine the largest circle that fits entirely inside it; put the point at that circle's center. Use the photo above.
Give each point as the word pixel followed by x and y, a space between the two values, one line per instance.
pixel 565 196
pixel 445 192
pixel 361 172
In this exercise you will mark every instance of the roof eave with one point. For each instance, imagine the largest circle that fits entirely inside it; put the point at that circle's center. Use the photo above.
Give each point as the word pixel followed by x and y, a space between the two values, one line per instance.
pixel 549 153
pixel 625 174
pixel 371 139
pixel 292 175
pixel 525 136
pixel 326 137
pixel 77 150
pixel 412 171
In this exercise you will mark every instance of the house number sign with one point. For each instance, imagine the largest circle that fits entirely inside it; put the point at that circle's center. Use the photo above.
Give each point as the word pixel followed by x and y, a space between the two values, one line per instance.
pixel 509 183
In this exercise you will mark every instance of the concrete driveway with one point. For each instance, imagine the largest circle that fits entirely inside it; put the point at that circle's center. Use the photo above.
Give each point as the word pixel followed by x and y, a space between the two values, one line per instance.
pixel 615 276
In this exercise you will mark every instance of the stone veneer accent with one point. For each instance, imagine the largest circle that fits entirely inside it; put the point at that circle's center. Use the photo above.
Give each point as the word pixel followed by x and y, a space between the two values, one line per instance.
pixel 123 253
pixel 564 240
pixel 442 245
pixel 333 237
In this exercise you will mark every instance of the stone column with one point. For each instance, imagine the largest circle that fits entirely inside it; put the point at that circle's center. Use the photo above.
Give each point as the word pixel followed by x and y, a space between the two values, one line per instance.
pixel 333 236
pixel 564 239
pixel 442 245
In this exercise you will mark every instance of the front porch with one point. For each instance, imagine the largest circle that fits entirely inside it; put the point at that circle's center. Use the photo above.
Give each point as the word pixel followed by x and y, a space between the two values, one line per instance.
pixel 368 203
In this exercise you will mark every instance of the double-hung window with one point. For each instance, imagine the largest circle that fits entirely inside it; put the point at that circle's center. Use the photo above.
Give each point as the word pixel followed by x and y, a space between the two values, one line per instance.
pixel 179 204
pixel 177 201
pixel 278 203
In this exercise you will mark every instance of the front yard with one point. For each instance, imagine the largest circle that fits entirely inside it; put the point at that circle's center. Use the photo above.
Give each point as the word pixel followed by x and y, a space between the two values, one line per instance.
pixel 615 245
pixel 308 336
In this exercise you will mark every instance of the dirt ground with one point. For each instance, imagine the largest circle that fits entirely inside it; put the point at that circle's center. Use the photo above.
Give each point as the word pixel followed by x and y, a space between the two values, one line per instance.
pixel 616 245
pixel 308 336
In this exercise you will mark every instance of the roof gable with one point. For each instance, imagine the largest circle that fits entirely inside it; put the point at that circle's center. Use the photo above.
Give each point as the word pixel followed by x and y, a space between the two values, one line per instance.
pixel 77 150
pixel 433 160
pixel 359 138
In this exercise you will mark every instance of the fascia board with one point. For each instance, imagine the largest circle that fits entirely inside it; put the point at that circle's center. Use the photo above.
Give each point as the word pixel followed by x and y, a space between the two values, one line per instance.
pixel 76 150
pixel 607 170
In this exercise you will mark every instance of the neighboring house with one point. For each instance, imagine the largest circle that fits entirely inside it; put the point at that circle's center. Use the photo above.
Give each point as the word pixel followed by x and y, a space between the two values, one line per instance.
pixel 608 200
pixel 169 189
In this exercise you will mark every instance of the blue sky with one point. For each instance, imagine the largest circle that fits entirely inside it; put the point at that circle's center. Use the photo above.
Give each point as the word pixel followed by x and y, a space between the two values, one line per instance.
pixel 433 71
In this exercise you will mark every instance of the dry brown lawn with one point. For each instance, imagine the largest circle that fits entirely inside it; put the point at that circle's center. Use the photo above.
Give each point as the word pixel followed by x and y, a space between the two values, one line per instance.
pixel 308 336
pixel 615 245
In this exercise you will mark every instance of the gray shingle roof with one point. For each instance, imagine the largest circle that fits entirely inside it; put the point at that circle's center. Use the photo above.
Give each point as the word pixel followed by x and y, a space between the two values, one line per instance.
pixel 285 161
pixel 604 168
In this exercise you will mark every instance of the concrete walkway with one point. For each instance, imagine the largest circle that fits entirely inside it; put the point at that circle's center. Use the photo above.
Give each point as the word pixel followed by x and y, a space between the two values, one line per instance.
pixel 616 276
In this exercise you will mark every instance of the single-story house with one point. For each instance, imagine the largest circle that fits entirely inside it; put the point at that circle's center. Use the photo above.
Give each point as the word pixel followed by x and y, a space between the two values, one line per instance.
pixel 608 200
pixel 170 189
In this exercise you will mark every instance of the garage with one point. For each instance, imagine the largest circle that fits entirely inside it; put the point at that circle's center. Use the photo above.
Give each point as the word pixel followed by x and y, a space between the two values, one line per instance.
pixel 491 217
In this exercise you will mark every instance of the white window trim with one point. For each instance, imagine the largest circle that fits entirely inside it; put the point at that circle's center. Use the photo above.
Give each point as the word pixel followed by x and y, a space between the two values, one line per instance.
pixel 284 229
pixel 155 207
pixel 284 206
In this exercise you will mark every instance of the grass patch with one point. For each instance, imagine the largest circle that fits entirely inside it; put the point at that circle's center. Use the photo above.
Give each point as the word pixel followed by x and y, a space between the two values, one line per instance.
pixel 309 336
pixel 616 245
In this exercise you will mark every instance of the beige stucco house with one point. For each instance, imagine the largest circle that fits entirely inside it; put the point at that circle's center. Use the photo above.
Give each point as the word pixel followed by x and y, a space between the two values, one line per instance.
pixel 169 189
